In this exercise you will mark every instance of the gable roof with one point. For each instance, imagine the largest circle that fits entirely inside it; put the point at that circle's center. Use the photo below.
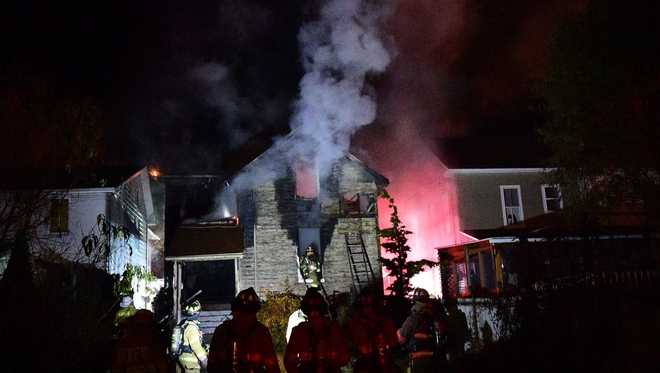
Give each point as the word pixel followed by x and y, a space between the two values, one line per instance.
pixel 379 179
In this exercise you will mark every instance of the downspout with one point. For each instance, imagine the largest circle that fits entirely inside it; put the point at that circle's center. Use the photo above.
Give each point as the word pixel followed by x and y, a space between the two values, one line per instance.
pixel 254 245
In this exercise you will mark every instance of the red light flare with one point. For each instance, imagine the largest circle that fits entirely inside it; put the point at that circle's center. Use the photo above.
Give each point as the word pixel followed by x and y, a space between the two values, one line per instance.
pixel 426 198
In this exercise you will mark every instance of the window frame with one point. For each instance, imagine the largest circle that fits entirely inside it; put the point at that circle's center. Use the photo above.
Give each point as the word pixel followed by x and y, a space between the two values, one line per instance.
pixel 520 201
pixel 545 197
pixel 302 247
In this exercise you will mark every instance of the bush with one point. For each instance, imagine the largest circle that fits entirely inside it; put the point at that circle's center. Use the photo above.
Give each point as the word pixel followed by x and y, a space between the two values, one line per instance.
pixel 275 312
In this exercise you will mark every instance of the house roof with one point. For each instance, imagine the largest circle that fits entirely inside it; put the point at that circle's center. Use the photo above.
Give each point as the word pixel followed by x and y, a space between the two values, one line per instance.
pixel 67 179
pixel 378 178
pixel 205 240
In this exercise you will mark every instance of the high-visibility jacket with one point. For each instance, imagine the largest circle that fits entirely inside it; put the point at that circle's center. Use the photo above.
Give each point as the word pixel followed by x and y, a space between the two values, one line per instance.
pixel 194 355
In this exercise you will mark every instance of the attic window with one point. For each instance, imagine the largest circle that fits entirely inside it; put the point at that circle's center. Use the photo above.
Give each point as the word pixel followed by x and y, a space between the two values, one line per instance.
pixel 307 181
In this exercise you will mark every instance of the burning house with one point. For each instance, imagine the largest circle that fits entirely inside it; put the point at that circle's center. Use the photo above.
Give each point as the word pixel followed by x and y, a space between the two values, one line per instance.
pixel 260 224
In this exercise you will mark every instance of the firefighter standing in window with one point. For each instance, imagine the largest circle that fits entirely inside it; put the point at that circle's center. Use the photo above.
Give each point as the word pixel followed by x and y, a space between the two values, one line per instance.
pixel 139 349
pixel 243 344
pixel 310 268
pixel 317 345
pixel 373 335
pixel 193 355
pixel 419 334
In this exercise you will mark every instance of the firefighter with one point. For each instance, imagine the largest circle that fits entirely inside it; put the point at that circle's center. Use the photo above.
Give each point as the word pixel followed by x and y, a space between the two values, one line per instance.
pixel 243 344
pixel 126 310
pixel 295 318
pixel 418 334
pixel 318 344
pixel 458 331
pixel 139 348
pixel 310 267
pixel 193 357
pixel 373 335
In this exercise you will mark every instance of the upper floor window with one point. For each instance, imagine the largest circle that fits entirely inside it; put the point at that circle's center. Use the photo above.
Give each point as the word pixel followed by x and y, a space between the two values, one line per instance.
pixel 360 204
pixel 309 257
pixel 512 208
pixel 551 198
pixel 307 180
pixel 59 215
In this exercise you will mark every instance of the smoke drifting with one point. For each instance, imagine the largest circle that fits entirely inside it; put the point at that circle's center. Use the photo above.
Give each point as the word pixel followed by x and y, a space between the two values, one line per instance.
pixel 339 50
pixel 459 68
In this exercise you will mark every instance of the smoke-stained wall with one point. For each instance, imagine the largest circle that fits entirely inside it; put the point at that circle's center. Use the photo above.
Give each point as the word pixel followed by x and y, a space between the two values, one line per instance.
pixel 272 216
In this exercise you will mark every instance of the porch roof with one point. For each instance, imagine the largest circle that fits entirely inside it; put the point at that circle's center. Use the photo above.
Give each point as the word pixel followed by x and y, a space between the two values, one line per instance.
pixel 457 252
pixel 205 242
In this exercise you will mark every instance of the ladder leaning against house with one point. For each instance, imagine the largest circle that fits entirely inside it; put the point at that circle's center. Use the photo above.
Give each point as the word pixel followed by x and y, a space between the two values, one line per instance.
pixel 361 270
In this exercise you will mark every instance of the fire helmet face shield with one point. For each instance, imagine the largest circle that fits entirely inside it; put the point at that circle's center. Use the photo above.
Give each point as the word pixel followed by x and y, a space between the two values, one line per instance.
pixel 247 300
pixel 313 301
pixel 193 308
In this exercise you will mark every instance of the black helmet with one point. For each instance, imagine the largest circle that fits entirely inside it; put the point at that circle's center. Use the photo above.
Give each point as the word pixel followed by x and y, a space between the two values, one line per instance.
pixel 313 301
pixel 421 295
pixel 246 300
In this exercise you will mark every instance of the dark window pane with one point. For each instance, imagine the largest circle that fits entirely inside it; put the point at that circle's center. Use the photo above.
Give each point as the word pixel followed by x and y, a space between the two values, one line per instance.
pixel 551 192
pixel 553 204
pixel 511 197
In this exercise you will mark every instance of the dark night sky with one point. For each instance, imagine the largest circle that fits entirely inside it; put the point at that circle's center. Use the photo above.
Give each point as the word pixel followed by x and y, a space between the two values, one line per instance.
pixel 462 67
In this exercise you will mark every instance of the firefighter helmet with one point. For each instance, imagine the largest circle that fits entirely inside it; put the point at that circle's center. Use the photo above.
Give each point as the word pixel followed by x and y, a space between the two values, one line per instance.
pixel 193 308
pixel 313 301
pixel 246 300
pixel 421 295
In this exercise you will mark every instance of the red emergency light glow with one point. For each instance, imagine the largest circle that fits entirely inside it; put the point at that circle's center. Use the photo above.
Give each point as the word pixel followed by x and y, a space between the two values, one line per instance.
pixel 427 202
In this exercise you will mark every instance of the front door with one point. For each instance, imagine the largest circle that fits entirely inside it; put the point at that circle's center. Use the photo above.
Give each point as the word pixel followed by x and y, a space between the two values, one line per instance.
pixel 216 279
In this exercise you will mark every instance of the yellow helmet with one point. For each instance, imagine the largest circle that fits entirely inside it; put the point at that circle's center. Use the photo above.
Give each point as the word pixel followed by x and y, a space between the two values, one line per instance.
pixel 193 308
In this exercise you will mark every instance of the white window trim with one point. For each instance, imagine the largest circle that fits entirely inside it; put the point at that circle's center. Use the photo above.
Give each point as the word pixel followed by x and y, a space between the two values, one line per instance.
pixel 545 198
pixel 522 208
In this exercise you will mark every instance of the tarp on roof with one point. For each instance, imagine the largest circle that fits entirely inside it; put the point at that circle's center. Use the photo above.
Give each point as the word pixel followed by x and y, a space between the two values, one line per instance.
pixel 205 242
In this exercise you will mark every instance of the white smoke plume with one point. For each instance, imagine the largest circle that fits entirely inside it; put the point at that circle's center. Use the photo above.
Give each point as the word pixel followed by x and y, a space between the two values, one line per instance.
pixel 339 50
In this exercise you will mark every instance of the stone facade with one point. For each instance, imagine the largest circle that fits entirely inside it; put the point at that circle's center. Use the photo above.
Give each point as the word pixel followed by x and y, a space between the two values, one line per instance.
pixel 272 216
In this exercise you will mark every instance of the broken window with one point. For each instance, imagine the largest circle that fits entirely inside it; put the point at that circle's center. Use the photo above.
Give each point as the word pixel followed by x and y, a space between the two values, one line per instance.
pixel 307 181
pixel 308 237
pixel 363 204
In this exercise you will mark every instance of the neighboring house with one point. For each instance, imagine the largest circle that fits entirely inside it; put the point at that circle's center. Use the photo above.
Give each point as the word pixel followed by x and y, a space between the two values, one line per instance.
pixel 490 198
pixel 521 237
pixel 279 217
pixel 73 212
